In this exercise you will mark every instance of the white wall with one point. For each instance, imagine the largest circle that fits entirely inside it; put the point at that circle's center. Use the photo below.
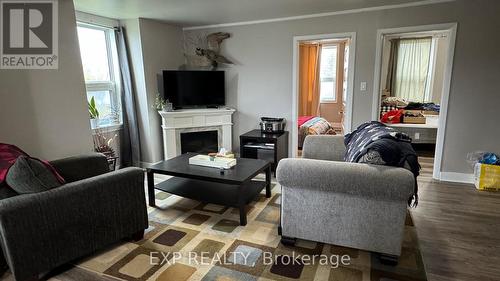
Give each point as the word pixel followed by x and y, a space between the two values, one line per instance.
pixel 44 112
pixel 154 46
pixel 260 83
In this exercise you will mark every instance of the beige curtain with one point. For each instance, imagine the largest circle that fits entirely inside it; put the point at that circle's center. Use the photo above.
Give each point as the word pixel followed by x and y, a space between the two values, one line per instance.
pixel 389 83
pixel 340 71
pixel 309 63
pixel 413 62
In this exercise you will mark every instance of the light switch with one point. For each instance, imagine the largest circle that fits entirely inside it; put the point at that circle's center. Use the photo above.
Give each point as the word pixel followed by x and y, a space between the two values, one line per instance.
pixel 417 136
pixel 363 86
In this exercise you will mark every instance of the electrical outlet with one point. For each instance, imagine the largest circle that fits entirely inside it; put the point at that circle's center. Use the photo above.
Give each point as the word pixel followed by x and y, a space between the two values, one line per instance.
pixel 363 86
pixel 417 136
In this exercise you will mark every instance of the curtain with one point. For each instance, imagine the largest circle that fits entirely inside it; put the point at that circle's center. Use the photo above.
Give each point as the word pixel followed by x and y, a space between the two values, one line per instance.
pixel 309 63
pixel 130 147
pixel 412 68
pixel 391 72
pixel 341 72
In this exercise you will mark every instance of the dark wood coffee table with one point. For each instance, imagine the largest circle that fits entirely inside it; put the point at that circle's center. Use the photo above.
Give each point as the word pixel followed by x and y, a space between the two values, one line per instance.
pixel 234 188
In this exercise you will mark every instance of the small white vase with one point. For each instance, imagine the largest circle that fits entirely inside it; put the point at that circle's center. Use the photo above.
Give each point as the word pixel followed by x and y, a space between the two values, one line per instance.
pixel 94 123
pixel 168 107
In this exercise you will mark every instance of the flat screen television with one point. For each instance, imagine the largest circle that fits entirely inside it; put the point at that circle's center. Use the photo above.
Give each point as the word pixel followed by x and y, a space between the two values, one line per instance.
pixel 194 88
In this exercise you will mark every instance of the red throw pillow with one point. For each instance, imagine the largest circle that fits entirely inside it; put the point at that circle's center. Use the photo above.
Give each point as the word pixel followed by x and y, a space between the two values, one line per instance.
pixel 9 154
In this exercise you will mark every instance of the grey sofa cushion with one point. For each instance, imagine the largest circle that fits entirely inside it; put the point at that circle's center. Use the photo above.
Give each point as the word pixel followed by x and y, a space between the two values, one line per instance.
pixel 324 147
pixel 29 175
pixel 81 167
pixel 356 179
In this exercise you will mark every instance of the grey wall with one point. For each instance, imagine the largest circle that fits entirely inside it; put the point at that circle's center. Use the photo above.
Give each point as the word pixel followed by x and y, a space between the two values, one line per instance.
pixel 261 81
pixel 45 112
pixel 161 49
pixel 153 46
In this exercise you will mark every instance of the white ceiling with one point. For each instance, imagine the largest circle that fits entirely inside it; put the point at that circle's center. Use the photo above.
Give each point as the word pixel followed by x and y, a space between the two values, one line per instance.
pixel 204 12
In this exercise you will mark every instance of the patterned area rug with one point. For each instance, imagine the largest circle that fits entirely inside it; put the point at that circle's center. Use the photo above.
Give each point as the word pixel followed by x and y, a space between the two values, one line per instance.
pixel 209 244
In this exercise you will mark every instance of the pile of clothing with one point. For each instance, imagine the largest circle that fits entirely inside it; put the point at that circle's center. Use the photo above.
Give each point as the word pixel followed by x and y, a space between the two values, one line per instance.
pixel 394 106
pixel 392 103
pixel 394 115
pixel 395 102
pixel 427 106
pixel 378 144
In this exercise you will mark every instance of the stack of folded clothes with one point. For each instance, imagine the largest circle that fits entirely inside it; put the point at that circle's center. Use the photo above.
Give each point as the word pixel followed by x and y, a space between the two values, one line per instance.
pixel 428 106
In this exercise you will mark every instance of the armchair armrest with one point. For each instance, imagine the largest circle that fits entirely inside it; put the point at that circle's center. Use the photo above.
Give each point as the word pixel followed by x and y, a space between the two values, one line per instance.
pixel 370 181
pixel 324 147
pixel 81 167
pixel 39 231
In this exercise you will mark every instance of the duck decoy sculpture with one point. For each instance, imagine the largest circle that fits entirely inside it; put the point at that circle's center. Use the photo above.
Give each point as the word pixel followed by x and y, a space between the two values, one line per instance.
pixel 212 53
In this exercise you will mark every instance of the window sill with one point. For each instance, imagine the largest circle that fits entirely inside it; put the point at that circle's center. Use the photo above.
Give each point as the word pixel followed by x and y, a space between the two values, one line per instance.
pixel 108 128
pixel 327 101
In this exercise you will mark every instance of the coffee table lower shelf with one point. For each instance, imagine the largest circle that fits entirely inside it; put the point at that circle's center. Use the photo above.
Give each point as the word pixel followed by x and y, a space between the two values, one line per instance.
pixel 216 193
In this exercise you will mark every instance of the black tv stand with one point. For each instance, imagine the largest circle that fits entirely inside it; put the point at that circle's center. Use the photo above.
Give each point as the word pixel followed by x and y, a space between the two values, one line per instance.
pixel 258 145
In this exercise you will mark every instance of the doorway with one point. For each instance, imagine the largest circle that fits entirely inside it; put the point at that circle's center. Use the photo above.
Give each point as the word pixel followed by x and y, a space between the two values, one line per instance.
pixel 412 80
pixel 323 68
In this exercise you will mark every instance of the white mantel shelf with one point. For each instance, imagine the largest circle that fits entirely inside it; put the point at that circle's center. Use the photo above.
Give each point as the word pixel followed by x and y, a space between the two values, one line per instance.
pixel 191 112
pixel 195 120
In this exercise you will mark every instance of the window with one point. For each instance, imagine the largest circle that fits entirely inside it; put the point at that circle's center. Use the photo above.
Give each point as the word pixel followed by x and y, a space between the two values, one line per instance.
pixel 100 69
pixel 413 70
pixel 328 73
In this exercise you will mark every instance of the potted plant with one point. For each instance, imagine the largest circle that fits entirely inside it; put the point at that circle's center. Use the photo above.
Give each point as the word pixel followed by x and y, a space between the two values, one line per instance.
pixel 94 114
pixel 162 104
pixel 103 143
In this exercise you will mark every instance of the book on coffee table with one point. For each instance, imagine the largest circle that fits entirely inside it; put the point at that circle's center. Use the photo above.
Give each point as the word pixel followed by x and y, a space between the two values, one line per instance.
pixel 214 162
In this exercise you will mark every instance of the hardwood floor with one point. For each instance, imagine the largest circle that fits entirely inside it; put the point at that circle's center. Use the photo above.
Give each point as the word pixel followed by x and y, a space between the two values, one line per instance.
pixel 458 229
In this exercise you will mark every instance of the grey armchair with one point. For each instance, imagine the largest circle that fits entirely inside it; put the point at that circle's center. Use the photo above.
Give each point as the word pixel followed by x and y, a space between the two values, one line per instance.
pixel 95 208
pixel 349 204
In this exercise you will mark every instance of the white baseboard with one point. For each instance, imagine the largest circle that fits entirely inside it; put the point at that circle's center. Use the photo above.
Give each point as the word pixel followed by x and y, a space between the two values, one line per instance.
pixel 457 177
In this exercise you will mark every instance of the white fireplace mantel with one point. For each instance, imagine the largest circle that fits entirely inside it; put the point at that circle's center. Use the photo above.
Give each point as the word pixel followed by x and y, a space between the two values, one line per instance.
pixel 195 120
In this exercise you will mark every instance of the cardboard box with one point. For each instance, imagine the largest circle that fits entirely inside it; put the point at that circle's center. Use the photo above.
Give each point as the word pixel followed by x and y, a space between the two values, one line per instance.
pixel 414 120
pixel 413 111
pixel 418 117
pixel 424 112
pixel 430 112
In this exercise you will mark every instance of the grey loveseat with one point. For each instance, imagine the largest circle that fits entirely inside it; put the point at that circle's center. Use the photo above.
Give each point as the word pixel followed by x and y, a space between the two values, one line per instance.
pixel 348 204
pixel 95 208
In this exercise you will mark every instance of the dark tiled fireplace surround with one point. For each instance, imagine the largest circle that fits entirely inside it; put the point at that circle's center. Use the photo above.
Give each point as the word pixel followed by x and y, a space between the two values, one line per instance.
pixel 200 142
